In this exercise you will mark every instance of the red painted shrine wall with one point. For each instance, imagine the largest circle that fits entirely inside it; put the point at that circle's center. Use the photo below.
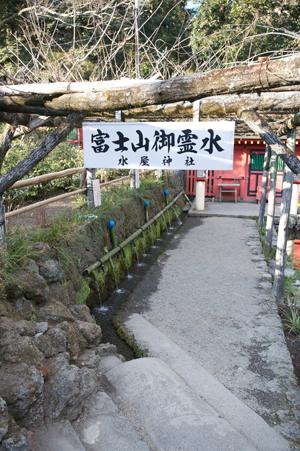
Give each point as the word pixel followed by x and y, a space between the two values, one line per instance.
pixel 247 167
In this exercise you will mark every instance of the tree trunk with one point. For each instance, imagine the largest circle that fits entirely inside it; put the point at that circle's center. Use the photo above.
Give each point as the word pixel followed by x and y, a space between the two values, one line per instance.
pixel 21 169
pixel 264 186
pixel 2 224
pixel 278 286
pixel 6 139
pixel 271 204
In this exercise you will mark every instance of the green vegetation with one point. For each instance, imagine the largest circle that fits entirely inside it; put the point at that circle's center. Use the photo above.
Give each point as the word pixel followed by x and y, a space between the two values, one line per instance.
pixel 226 32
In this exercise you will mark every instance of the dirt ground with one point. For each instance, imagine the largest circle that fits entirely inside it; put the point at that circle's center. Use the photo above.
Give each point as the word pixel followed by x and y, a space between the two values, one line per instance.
pixel 41 216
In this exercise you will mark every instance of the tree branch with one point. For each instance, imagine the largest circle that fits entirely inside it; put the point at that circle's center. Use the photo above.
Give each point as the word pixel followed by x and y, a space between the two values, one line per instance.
pixel 261 128
pixel 6 139
pixel 39 152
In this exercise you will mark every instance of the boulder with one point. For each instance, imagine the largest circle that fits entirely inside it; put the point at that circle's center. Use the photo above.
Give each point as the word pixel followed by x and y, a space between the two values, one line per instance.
pixel 89 359
pixel 6 309
pixel 59 293
pixel 55 311
pixel 18 442
pixel 24 327
pixel 31 266
pixel 106 349
pixel 33 285
pixel 67 388
pixel 91 332
pixel 45 251
pixel 52 343
pixel 51 270
pixel 76 344
pixel 41 327
pixel 24 308
pixel 21 386
pixel 3 418
pixel 82 313
pixel 17 349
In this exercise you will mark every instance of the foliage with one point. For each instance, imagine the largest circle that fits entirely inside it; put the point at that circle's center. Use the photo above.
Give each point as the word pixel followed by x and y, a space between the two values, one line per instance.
pixel 20 247
pixel 64 156
pixel 79 40
pixel 84 292
pixel 225 32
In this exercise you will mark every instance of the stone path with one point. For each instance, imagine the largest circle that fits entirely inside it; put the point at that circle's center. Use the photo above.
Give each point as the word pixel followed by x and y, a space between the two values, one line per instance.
pixel 217 375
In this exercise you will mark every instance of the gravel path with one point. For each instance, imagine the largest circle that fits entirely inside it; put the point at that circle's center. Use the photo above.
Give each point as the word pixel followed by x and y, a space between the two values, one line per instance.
pixel 210 293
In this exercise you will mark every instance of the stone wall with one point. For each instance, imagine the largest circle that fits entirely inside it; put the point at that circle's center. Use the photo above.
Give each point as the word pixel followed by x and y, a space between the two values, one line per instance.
pixel 50 345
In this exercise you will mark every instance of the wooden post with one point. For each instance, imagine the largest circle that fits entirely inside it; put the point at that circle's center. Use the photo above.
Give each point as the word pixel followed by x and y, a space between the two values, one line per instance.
pixel 264 186
pixel 271 203
pixel 278 286
pixel 2 224
pixel 90 176
pixel 132 178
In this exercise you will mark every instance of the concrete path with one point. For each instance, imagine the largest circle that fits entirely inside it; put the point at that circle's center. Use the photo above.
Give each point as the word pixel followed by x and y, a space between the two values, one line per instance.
pixel 216 376
pixel 210 294
pixel 230 209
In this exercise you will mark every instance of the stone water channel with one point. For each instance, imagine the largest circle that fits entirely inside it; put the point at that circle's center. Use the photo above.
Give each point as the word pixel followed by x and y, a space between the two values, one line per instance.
pixel 105 311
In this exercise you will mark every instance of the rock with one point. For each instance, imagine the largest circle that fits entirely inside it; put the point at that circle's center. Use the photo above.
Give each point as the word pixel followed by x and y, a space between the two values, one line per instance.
pixel 15 288
pixel 59 293
pixel 17 349
pixel 21 386
pixel 89 359
pixel 91 332
pixel 67 389
pixel 24 308
pixel 31 266
pixel 52 343
pixel 24 327
pixel 6 309
pixel 41 328
pixel 82 313
pixel 55 311
pixel 76 344
pixel 6 324
pixel 3 418
pixel 19 442
pixel 106 349
pixel 51 270
pixel 35 286
pixel 46 253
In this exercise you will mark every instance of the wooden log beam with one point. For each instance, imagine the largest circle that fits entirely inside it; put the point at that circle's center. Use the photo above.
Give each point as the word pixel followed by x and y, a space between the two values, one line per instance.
pixel 290 124
pixel 221 106
pixel 111 96
pixel 260 127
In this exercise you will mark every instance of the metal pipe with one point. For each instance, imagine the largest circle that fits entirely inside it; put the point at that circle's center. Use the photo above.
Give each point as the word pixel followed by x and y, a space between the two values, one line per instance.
pixel 128 240
pixel 166 192
pixel 146 210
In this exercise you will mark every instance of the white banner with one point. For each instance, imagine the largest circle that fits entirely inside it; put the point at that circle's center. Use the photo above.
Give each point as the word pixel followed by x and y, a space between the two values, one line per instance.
pixel 159 145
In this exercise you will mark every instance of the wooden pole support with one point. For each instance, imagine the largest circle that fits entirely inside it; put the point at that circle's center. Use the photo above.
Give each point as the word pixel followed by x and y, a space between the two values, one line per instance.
pixel 278 286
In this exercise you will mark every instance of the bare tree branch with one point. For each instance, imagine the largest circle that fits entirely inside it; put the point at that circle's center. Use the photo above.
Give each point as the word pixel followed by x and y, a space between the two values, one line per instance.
pixel 40 152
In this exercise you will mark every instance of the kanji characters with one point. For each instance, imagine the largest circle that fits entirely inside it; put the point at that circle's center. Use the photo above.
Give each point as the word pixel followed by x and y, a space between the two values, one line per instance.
pixel 212 142
pixel 185 143
pixel 162 139
pixel 99 140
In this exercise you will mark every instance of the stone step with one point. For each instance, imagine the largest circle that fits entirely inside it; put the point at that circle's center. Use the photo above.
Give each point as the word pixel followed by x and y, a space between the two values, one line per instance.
pixel 171 413
pixel 103 427
pixel 55 437
pixel 203 385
